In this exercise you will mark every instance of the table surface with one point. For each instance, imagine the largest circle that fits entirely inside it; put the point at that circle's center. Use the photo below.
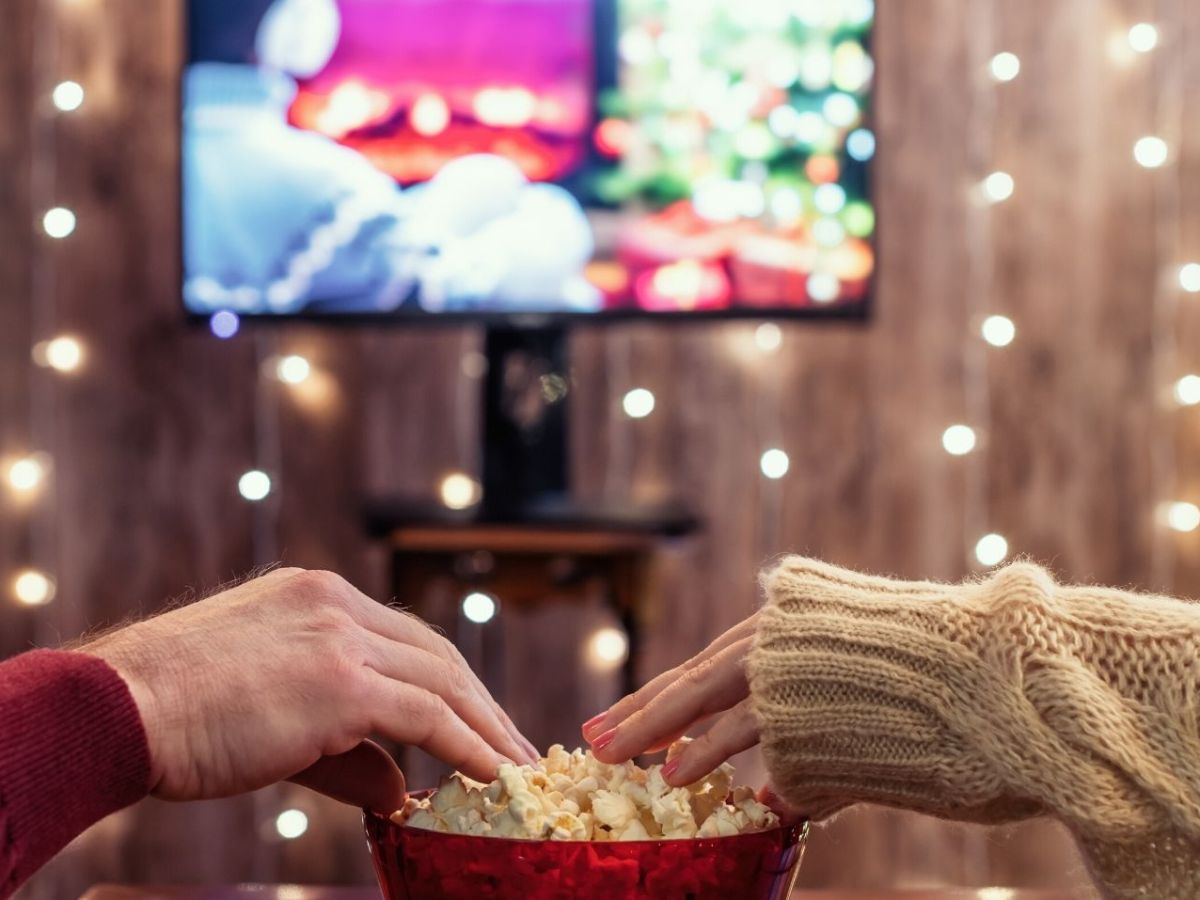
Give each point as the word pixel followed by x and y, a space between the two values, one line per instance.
pixel 294 892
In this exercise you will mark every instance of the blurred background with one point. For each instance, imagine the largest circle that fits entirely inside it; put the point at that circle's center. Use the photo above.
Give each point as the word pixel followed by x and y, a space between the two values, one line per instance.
pixel 1019 384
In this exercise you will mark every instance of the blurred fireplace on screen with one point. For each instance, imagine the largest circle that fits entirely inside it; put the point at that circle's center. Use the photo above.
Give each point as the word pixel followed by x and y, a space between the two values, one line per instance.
pixel 662 156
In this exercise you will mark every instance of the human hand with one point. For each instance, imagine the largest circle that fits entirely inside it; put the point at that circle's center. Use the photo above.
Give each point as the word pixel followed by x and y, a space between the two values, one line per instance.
pixel 713 682
pixel 285 676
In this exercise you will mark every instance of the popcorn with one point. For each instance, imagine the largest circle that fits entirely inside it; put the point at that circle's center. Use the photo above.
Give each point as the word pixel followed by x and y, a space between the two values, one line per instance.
pixel 575 797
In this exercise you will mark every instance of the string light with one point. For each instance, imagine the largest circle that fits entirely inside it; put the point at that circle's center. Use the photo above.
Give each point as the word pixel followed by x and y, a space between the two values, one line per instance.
pixel 26 474
pixel 1143 37
pixel 958 440
pixel 991 549
pixel 1182 516
pixel 58 222
pixel 291 824
pixel 254 485
pixel 999 331
pixel 459 491
pixel 998 187
pixel 33 588
pixel 480 608
pixel 1005 66
pixel 1189 278
pixel 63 353
pixel 224 324
pixel 607 648
pixel 1187 390
pixel 638 403
pixel 1151 152
pixel 67 96
pixel 768 337
pixel 293 369
pixel 774 464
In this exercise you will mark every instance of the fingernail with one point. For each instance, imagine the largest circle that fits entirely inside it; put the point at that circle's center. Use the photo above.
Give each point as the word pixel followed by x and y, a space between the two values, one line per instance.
pixel 604 740
pixel 669 768
pixel 592 723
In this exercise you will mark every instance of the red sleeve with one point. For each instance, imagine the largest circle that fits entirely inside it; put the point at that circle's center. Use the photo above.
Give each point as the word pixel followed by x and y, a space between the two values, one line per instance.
pixel 72 750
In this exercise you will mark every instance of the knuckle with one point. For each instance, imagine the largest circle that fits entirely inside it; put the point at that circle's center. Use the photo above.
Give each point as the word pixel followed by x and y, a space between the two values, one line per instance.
pixel 458 685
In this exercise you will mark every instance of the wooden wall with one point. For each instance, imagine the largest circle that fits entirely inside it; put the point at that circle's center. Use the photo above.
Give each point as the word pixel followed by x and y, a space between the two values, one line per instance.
pixel 1078 445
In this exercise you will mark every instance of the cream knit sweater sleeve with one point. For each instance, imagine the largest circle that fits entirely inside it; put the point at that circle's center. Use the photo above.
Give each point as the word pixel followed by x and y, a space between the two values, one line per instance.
pixel 989 702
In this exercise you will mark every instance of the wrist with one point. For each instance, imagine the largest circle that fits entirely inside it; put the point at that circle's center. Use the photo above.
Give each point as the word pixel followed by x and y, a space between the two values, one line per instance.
pixel 133 670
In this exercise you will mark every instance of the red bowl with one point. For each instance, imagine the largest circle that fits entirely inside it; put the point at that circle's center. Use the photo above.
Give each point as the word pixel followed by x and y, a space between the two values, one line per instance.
pixel 417 864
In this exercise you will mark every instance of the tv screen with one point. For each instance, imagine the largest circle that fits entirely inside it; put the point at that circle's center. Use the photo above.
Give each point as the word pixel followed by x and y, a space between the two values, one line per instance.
pixel 432 158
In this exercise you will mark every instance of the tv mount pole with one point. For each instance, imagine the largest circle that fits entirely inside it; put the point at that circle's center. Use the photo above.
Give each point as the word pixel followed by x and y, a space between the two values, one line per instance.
pixel 525 442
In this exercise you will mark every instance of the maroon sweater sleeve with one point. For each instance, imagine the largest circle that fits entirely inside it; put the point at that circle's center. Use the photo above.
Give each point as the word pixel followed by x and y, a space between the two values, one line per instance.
pixel 72 750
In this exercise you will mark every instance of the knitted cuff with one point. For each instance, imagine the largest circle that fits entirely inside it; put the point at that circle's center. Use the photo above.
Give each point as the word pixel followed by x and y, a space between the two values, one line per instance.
pixel 859 682
pixel 72 750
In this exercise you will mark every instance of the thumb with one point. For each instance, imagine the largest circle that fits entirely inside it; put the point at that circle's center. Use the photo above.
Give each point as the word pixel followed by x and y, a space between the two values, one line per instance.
pixel 364 776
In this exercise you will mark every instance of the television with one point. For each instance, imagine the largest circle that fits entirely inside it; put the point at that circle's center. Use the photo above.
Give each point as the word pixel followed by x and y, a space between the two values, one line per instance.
pixel 503 159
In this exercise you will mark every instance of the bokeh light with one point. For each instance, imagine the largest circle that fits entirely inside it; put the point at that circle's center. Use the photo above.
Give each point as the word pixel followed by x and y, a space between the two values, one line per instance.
pixel 291 824
pixel 1143 37
pixel 479 607
pixel 607 648
pixel 224 324
pixel 1183 516
pixel 1151 152
pixel 33 588
pixel 254 485
pixel 293 369
pixel 67 96
pixel 58 222
pixel 999 331
pixel 774 463
pixel 638 403
pixel 1005 66
pixel 768 337
pixel 958 440
pixel 459 490
pixel 1187 390
pixel 991 549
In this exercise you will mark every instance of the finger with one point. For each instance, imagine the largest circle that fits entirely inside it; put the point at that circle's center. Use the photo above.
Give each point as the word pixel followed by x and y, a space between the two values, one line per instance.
pixel 716 685
pixel 734 732
pixel 406 628
pixel 364 776
pixel 628 705
pixel 422 669
pixel 410 715
pixel 779 806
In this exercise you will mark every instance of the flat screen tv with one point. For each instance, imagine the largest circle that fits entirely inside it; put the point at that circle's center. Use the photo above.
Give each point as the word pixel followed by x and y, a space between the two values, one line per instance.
pixel 430 159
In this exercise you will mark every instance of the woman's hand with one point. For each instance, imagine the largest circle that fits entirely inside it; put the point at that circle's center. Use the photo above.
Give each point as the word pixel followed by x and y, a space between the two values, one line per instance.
pixel 712 683
pixel 285 677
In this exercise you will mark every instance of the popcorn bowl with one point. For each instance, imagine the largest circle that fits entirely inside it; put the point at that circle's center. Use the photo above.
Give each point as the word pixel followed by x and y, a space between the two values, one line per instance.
pixel 417 864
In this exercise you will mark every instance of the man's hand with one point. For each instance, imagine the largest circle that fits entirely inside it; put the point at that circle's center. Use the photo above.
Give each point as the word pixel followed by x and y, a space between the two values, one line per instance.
pixel 285 676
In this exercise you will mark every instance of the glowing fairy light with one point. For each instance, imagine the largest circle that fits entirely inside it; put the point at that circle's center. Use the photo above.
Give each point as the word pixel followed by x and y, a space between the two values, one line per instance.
pixel 67 96
pixel 63 354
pixel 991 549
pixel 768 337
pixel 860 144
pixel 958 440
pixel 58 222
pixel 1187 390
pixel 33 588
pixel 293 369
pixel 479 607
pixel 1189 278
pixel 459 491
pixel 607 648
pixel 254 485
pixel 998 187
pixel 26 474
pixel 291 824
pixel 1143 37
pixel 1151 152
pixel 774 464
pixel 1182 516
pixel 224 324
pixel 999 331
pixel 1005 66
pixel 638 403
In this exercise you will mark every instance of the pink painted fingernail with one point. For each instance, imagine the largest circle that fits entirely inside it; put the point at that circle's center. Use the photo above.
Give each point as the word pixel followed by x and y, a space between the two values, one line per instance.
pixel 670 767
pixel 605 739
pixel 592 723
